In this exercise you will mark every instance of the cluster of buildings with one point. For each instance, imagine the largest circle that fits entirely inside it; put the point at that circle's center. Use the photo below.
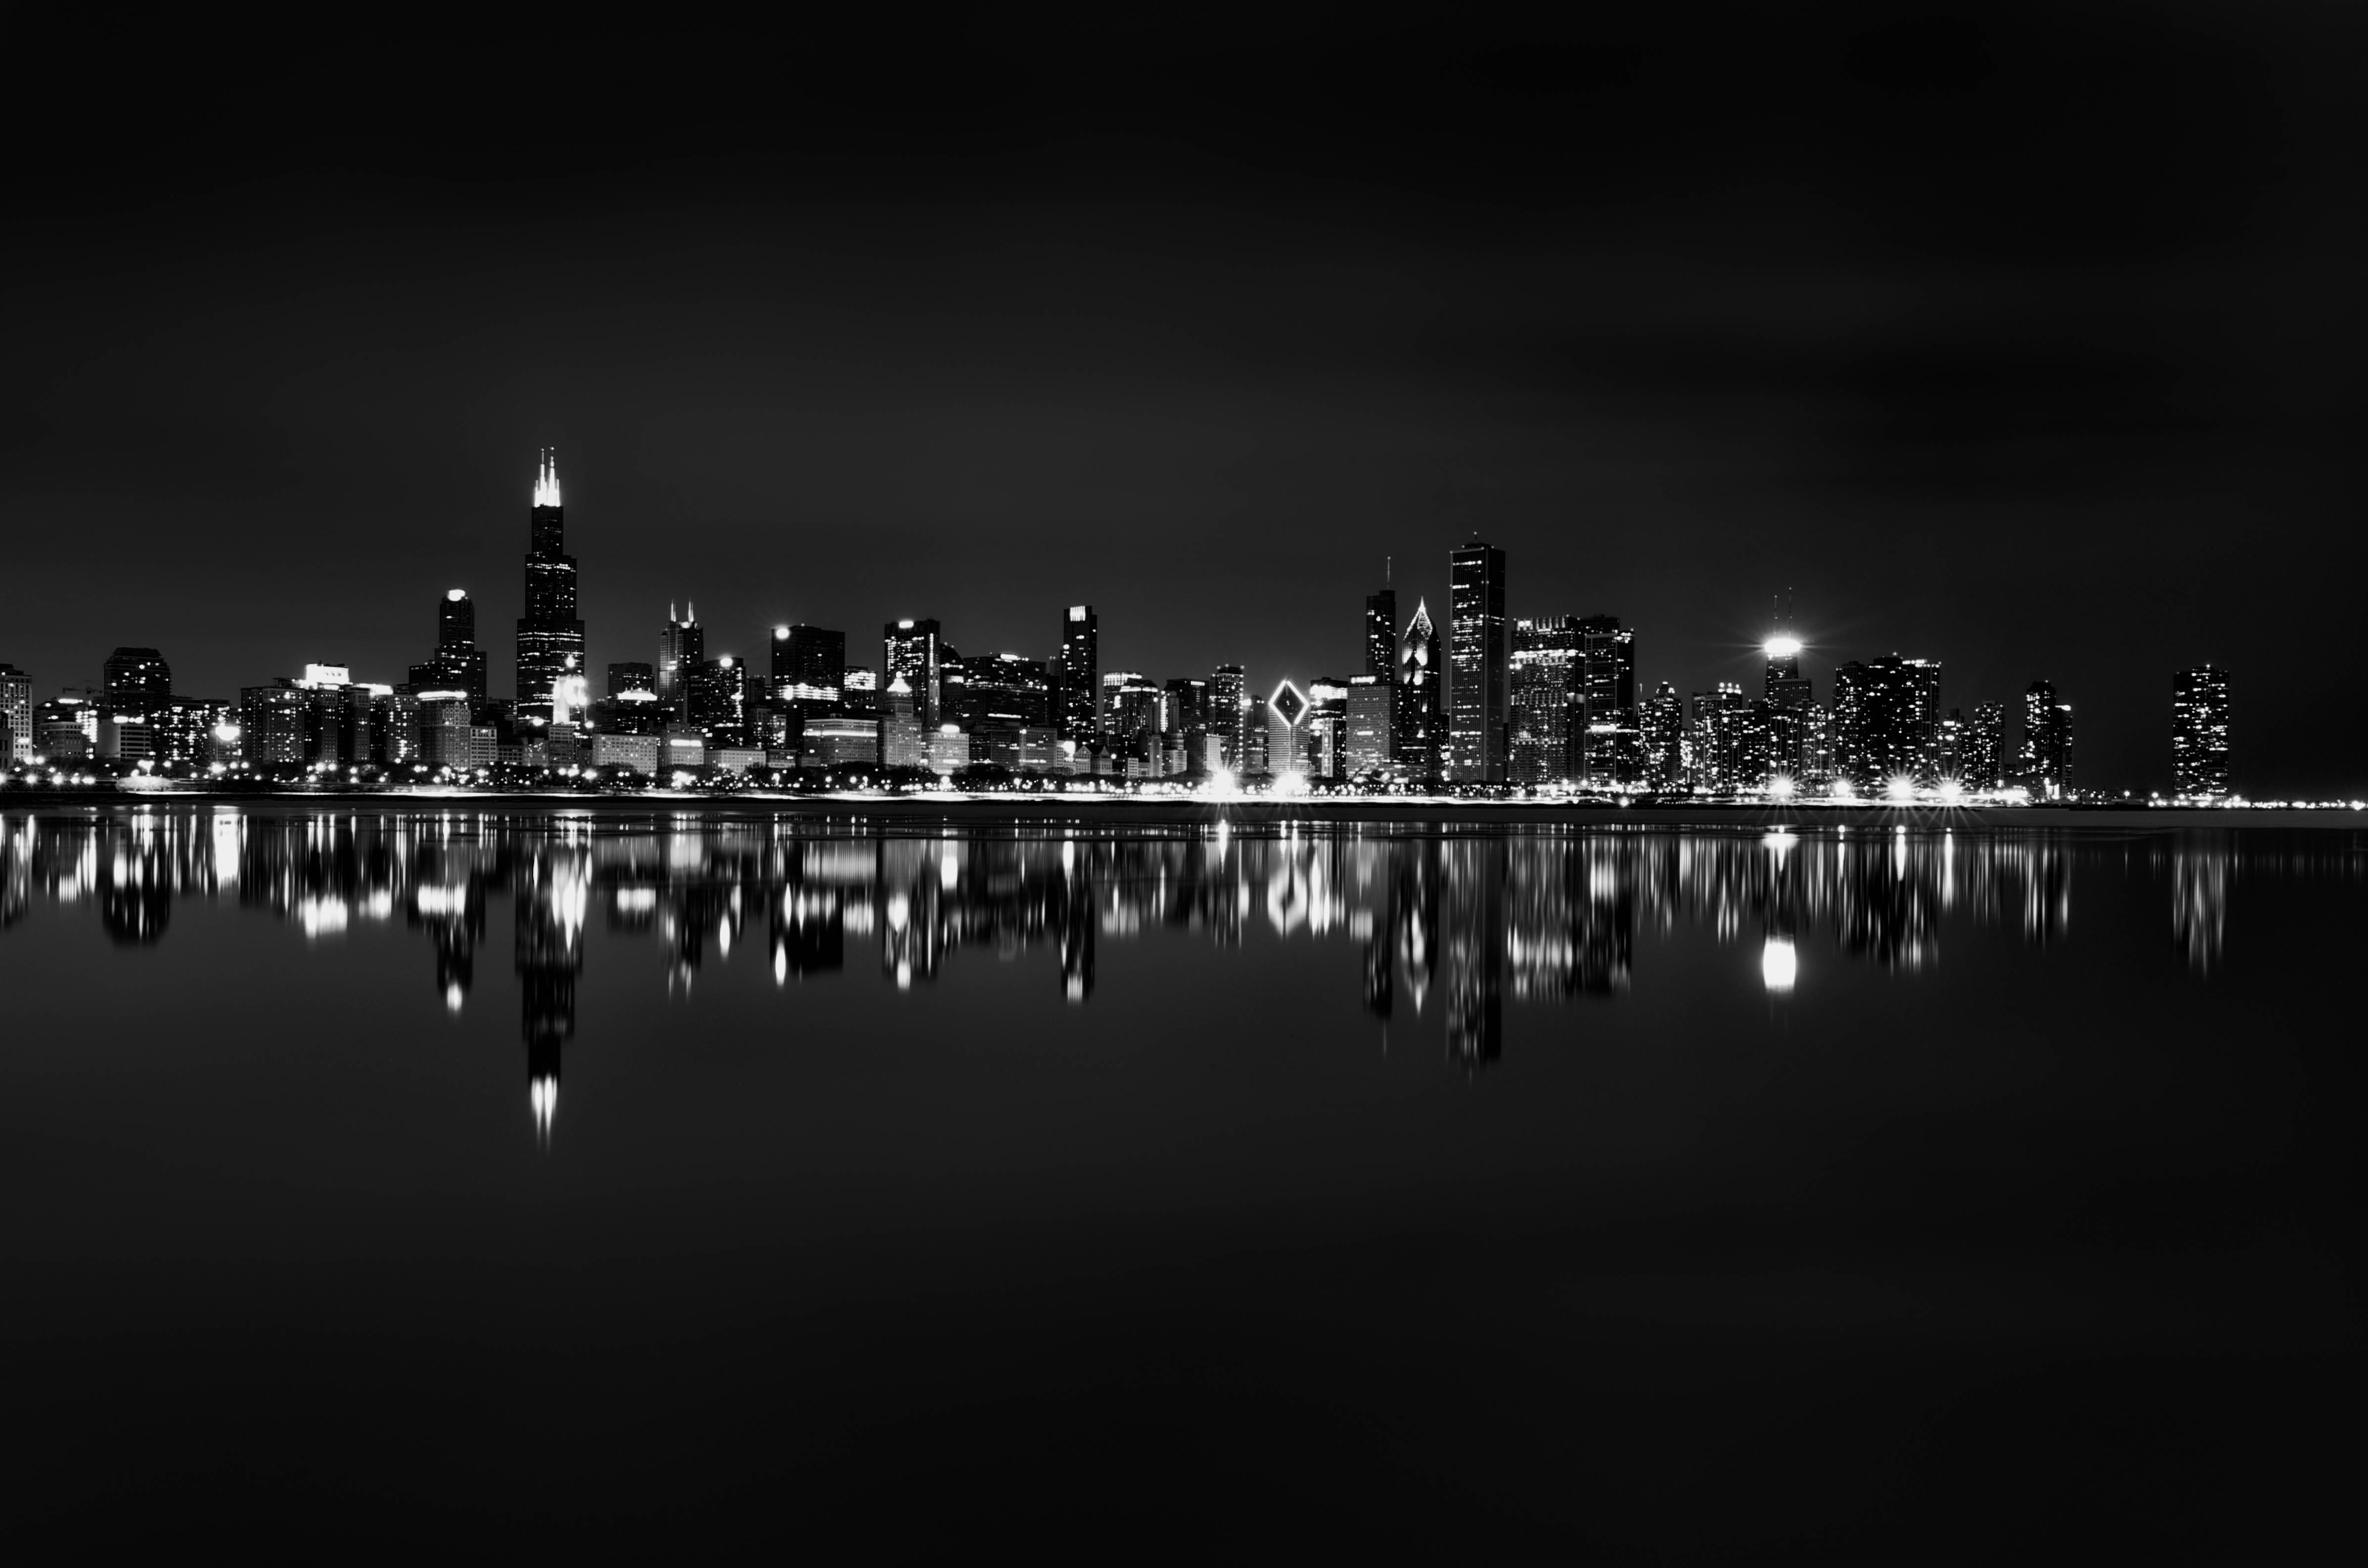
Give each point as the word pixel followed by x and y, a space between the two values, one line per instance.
pixel 1549 702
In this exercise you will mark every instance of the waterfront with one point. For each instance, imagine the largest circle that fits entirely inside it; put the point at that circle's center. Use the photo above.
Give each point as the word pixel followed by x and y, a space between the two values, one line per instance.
pixel 1687 1190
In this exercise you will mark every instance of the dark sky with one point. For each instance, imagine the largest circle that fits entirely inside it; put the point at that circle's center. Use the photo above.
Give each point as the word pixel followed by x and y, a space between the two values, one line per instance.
pixel 2027 340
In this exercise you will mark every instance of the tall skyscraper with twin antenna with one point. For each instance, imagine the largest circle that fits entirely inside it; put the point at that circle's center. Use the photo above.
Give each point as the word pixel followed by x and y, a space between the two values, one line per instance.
pixel 550 637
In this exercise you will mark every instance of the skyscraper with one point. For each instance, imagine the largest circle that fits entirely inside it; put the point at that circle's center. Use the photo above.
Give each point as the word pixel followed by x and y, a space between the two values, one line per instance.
pixel 1077 677
pixel 1382 633
pixel 1227 710
pixel 17 713
pixel 1982 755
pixel 550 637
pixel 2199 733
pixel 1420 714
pixel 2046 759
pixel 458 663
pixel 1609 745
pixel 1477 658
pixel 809 669
pixel 1547 685
pixel 1888 713
pixel 138 680
pixel 909 648
pixel 682 647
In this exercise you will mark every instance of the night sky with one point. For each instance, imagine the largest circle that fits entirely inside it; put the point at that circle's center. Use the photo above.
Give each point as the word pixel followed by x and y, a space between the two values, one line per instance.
pixel 2027 340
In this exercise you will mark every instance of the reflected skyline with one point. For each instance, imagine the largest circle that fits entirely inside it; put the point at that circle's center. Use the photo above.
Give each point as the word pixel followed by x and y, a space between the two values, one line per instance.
pixel 1463 920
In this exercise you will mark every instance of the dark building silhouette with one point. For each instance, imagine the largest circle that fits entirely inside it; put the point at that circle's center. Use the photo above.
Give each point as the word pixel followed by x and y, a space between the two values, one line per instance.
pixel 682 648
pixel 1079 677
pixel 1547 700
pixel 809 670
pixel 2047 758
pixel 1478 655
pixel 1382 633
pixel 1420 706
pixel 2199 733
pixel 458 663
pixel 632 675
pixel 550 637
pixel 911 649
pixel 137 681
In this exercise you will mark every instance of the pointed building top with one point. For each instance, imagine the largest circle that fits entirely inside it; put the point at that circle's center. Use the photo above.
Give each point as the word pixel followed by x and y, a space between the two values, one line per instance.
pixel 546 478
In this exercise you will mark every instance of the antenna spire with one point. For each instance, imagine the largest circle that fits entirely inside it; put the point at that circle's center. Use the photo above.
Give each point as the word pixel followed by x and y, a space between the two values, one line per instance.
pixel 546 478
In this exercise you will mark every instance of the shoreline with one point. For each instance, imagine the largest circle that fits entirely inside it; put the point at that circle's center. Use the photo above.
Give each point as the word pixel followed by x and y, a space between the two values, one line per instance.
pixel 959 808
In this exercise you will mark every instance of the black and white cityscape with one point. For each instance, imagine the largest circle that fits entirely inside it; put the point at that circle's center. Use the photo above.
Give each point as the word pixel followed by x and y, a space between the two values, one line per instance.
pixel 1128 785
pixel 1492 706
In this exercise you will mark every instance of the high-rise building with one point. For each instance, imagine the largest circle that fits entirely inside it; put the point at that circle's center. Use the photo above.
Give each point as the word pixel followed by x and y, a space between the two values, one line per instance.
pixel 1478 666
pixel 2199 733
pixel 17 713
pixel 550 637
pixel 809 669
pixel 1888 714
pixel 1286 712
pixel 1663 733
pixel 631 676
pixel 1609 747
pixel 1324 746
pixel 1227 712
pixel 138 680
pixel 1548 680
pixel 1077 676
pixel 910 648
pixel 1420 714
pixel 458 663
pixel 682 648
pixel 1372 721
pixel 1981 755
pixel 722 702
pixel 2046 757
pixel 904 742
pixel 1382 634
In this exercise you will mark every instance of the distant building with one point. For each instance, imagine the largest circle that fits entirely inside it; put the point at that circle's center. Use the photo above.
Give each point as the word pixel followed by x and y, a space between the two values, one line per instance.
pixel 1662 728
pixel 1888 714
pixel 1372 721
pixel 682 648
pixel 458 663
pixel 1478 667
pixel 1981 753
pixel 809 669
pixel 550 637
pixel 1382 633
pixel 1609 746
pixel 272 723
pixel 837 740
pixel 948 750
pixel 17 713
pixel 1286 713
pixel 632 677
pixel 1325 730
pixel 904 741
pixel 1547 686
pixel 1077 678
pixel 1229 712
pixel 909 651
pixel 721 700
pixel 858 694
pixel 2199 733
pixel 2047 758
pixel 1421 715
pixel 137 679
pixel 639 753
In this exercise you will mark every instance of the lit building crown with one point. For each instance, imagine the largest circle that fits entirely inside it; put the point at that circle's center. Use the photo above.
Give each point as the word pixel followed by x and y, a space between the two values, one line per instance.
pixel 546 478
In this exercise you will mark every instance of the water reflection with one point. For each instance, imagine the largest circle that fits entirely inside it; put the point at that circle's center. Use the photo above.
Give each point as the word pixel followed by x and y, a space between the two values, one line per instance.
pixel 1470 919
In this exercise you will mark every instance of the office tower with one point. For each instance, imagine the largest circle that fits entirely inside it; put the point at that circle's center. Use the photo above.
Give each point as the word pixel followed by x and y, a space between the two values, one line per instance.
pixel 1324 732
pixel 909 648
pixel 1717 737
pixel 2199 733
pixel 1372 721
pixel 682 648
pixel 1477 656
pixel 2046 743
pixel 903 738
pixel 272 723
pixel 722 700
pixel 1981 755
pixel 859 692
pixel 1077 677
pixel 1134 716
pixel 550 637
pixel 1547 699
pixel 137 679
pixel 1421 716
pixel 1382 634
pixel 1887 713
pixel 1609 745
pixel 1955 734
pixel 1662 735
pixel 1227 700
pixel 1786 687
pixel 997 689
pixel 458 663
pixel 1285 711
pixel 17 712
pixel 627 677
pixel 809 669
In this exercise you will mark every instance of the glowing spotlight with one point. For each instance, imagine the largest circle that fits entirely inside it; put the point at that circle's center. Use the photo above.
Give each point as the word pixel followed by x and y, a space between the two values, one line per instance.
pixel 1781 787
pixel 1781 647
pixel 1293 783
pixel 1901 787
pixel 1951 790
pixel 1222 781
pixel 1779 965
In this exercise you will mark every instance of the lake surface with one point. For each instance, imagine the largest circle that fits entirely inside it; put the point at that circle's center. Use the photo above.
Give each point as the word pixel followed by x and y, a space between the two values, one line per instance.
pixel 616 1175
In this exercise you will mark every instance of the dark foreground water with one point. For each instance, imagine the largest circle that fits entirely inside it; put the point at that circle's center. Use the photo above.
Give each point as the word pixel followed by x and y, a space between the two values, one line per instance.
pixel 613 1178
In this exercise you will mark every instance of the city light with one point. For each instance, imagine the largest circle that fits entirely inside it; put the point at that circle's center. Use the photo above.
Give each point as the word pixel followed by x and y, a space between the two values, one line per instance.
pixel 1779 965
pixel 1781 647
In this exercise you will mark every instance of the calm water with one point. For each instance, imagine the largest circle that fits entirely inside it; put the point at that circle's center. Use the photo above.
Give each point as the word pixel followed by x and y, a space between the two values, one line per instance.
pixel 620 1174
